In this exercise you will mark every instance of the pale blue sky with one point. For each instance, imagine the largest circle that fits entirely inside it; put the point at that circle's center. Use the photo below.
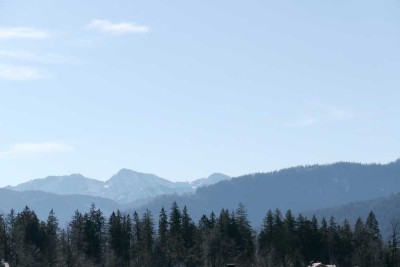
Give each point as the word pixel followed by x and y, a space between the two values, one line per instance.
pixel 182 89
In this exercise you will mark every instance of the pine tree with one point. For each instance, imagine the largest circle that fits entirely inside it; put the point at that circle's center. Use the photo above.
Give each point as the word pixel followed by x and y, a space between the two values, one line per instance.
pixel 11 236
pixel 375 240
pixel 163 227
pixel 146 240
pixel 136 235
pixel 75 238
pixel 290 238
pixel 161 244
pixel 51 240
pixel 3 238
pixel 392 255
pixel 67 255
pixel 324 241
pixel 175 240
pixel 333 240
pixel 344 247
pixel 244 238
pixel 126 235
pixel 192 252
pixel 94 234
pixel 307 240
pixel 315 240
pixel 209 234
pixel 265 240
pixel 28 239
pixel 281 256
pixel 119 235
pixel 204 223
pixel 360 243
pixel 225 240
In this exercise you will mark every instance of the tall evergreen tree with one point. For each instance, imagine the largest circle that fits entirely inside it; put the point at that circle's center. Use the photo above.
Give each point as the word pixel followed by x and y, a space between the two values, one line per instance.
pixel 146 240
pixel 290 237
pixel 192 252
pixel 161 244
pixel 333 240
pixel 51 240
pixel 245 237
pixel 360 244
pixel 28 239
pixel 375 240
pixel 175 240
pixel 136 235
pixel 3 238
pixel 307 248
pixel 324 241
pixel 119 234
pixel 75 237
pixel 344 247
pixel 281 255
pixel 94 234
pixel 265 240
pixel 11 237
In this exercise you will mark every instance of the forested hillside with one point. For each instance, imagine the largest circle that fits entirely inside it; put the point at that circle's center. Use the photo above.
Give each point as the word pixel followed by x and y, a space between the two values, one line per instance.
pixel 92 239
pixel 386 209
pixel 42 202
pixel 300 188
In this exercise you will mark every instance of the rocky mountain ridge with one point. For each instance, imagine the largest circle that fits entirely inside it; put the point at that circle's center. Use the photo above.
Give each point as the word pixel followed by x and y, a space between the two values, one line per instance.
pixel 126 186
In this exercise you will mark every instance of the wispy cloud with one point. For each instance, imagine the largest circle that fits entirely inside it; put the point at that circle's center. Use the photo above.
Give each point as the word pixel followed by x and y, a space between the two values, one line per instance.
pixel 35 57
pixel 339 113
pixel 22 33
pixel 322 114
pixel 33 149
pixel 120 28
pixel 21 73
pixel 302 121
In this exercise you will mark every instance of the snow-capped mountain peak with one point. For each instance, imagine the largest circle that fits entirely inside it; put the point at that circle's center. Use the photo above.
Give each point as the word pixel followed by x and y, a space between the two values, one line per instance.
pixel 125 186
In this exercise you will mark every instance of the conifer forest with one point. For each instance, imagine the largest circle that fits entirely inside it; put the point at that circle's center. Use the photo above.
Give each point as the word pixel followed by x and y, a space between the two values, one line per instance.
pixel 172 238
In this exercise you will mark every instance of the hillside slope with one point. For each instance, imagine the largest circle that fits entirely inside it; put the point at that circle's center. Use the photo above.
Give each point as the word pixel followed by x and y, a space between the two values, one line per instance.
pixel 386 210
pixel 299 189
pixel 63 205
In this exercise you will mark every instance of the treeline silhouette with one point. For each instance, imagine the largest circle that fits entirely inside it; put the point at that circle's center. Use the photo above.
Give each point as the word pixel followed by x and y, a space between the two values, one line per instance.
pixel 91 239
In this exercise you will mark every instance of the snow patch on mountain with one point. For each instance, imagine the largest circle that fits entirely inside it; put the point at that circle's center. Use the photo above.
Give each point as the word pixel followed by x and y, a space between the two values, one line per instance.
pixel 126 186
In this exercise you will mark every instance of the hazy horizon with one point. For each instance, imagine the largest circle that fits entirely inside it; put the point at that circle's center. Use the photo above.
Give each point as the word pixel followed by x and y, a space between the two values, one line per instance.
pixel 195 178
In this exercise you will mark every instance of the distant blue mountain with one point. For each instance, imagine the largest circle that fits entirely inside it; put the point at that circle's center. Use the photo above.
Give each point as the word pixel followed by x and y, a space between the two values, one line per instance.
pixel 126 186
pixel 300 189
pixel 63 205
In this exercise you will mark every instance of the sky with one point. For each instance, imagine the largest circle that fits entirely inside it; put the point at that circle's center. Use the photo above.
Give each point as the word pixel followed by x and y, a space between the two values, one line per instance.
pixel 183 89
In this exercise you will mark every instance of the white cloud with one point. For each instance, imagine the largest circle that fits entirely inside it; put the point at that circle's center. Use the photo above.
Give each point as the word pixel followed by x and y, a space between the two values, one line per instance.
pixel 320 114
pixel 21 73
pixel 35 57
pixel 302 121
pixel 116 28
pixel 33 149
pixel 337 113
pixel 22 33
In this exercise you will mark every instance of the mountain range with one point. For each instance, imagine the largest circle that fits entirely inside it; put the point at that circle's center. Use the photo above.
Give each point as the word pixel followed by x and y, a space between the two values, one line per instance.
pixel 126 186
pixel 340 190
